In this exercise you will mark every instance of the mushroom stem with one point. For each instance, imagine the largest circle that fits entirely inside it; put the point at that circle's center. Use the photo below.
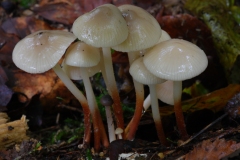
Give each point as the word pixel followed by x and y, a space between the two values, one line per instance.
pixel 81 98
pixel 99 131
pixel 103 71
pixel 156 114
pixel 110 123
pixel 112 86
pixel 147 103
pixel 131 128
pixel 177 94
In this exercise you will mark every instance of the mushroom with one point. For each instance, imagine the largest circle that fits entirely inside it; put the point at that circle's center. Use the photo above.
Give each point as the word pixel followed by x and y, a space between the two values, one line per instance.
pixel 144 32
pixel 104 27
pixel 83 56
pixel 176 60
pixel 107 101
pixel 142 75
pixel 41 51
pixel 119 132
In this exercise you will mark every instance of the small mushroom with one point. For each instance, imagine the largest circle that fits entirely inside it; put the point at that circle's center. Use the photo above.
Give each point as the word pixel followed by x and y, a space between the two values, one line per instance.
pixel 83 56
pixel 144 32
pixel 119 132
pixel 104 27
pixel 107 101
pixel 176 60
pixel 140 73
pixel 41 51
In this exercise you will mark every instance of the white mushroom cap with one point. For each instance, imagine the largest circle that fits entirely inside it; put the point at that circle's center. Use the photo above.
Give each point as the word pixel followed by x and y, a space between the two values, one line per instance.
pixel 164 37
pixel 144 30
pixel 40 51
pixel 102 27
pixel 175 60
pixel 81 54
pixel 140 73
pixel 119 132
pixel 74 73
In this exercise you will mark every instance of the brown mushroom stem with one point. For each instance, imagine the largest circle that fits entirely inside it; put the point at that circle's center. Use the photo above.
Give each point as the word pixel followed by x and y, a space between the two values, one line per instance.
pixel 80 97
pixel 177 94
pixel 99 131
pixel 112 86
pixel 156 114
pixel 131 128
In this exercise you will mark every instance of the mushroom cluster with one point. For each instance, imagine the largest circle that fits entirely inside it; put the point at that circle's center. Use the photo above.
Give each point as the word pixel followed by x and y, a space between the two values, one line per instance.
pixel 154 58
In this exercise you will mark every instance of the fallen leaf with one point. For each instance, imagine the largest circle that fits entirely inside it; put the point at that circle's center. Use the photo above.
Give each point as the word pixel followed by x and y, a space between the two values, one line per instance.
pixel 214 101
pixel 61 12
pixel 5 95
pixel 7 43
pixel 23 26
pixel 47 84
pixel 122 2
pixel 209 150
pixel 3 76
pixel 90 5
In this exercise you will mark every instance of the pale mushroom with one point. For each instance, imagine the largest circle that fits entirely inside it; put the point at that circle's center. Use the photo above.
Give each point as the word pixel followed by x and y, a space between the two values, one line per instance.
pixel 40 52
pixel 107 101
pixel 176 60
pixel 119 132
pixel 144 32
pixel 104 27
pixel 142 75
pixel 83 56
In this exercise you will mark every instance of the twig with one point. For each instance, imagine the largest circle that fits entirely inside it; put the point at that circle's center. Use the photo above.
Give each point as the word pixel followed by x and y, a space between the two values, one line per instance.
pixel 70 108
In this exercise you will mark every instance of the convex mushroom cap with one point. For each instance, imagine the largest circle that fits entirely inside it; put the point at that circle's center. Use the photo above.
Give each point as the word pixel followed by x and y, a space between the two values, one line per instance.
pixel 102 27
pixel 140 73
pixel 41 50
pixel 144 30
pixel 106 100
pixel 175 60
pixel 119 132
pixel 164 37
pixel 81 54
pixel 74 73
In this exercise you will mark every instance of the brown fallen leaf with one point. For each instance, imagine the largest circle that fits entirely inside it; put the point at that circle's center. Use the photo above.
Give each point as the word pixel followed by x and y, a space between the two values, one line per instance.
pixel 5 96
pixel 47 85
pixel 3 76
pixel 60 12
pixel 214 101
pixel 122 2
pixel 7 43
pixel 23 26
pixel 209 150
